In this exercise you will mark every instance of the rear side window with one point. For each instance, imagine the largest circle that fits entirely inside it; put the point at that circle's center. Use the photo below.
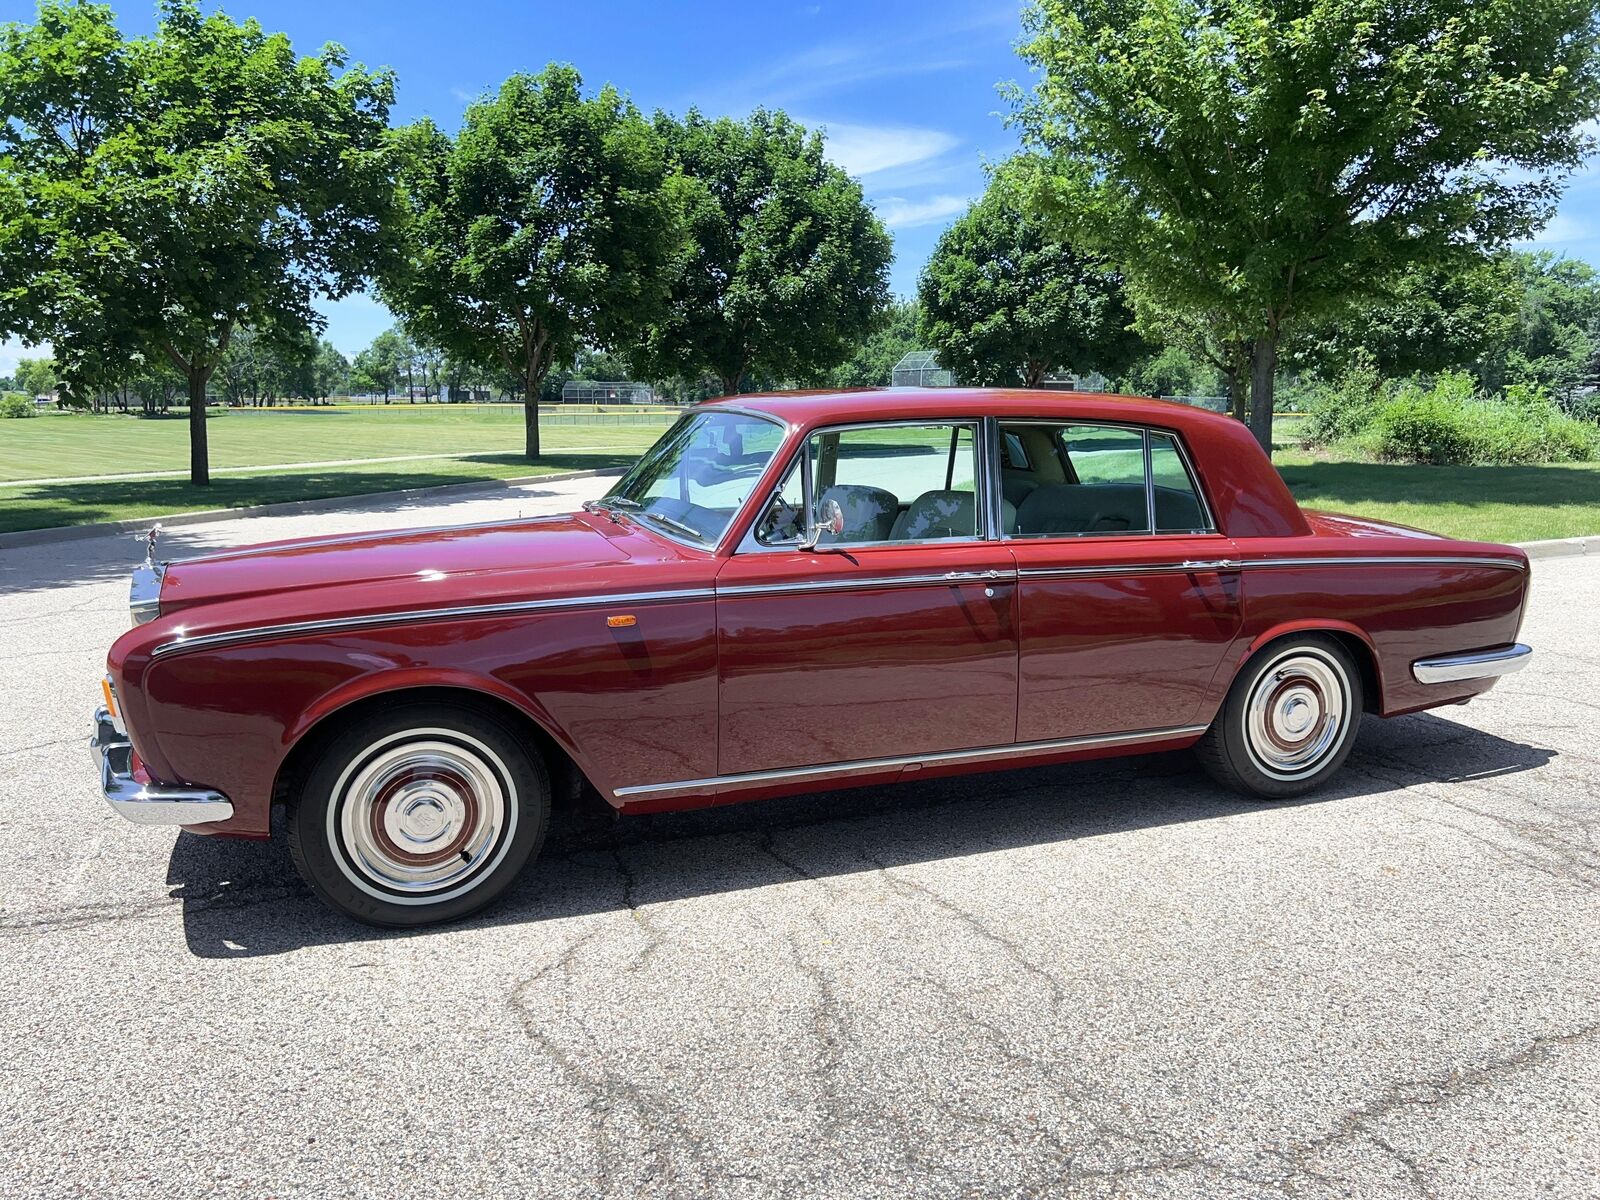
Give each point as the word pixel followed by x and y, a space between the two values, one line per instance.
pixel 1111 480
pixel 1178 507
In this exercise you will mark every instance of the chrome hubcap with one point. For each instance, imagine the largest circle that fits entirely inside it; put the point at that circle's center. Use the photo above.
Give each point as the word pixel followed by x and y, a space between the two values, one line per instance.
pixel 422 813
pixel 1297 714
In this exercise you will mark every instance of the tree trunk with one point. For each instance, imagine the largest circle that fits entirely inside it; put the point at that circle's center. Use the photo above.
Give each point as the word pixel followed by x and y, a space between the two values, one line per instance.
pixel 1263 373
pixel 530 413
pixel 199 454
pixel 1033 373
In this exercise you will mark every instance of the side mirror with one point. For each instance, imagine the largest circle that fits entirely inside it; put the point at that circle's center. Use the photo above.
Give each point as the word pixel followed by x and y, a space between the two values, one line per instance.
pixel 830 519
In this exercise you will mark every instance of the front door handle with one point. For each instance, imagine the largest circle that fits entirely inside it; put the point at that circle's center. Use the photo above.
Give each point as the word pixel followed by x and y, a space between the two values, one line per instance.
pixel 1210 564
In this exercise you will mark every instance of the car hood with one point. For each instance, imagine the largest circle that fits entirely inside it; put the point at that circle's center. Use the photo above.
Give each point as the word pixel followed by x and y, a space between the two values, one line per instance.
pixel 405 567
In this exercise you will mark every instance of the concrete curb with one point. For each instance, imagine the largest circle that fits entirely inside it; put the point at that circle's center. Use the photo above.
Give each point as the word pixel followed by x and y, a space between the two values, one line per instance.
pixel 1562 547
pixel 75 533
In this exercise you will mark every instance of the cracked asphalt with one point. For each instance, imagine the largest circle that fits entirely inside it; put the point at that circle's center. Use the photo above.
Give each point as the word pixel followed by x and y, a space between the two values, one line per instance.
pixel 1102 980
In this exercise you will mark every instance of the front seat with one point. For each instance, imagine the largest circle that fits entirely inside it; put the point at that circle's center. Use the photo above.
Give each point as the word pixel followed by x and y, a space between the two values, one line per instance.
pixel 937 514
pixel 869 512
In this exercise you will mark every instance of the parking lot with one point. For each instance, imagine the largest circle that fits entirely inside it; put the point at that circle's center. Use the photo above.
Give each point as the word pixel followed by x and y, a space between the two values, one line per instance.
pixel 1108 980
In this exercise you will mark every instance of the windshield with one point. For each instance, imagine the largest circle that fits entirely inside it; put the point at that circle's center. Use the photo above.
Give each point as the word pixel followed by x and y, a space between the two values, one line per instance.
pixel 693 482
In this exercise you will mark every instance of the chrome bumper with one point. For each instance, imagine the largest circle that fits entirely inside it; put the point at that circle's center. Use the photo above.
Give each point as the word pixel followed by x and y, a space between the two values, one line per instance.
pixel 1479 664
pixel 147 803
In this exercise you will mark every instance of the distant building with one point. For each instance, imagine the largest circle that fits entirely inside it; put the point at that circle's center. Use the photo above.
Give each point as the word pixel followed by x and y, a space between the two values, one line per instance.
pixel 1062 382
pixel 920 368
pixel 588 391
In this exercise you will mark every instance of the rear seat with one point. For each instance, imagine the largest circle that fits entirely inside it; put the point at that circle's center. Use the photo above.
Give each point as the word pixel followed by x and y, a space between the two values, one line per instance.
pixel 1102 508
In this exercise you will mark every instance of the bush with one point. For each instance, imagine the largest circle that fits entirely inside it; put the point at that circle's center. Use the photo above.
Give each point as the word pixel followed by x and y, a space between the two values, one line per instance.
pixel 1450 423
pixel 1447 421
pixel 14 405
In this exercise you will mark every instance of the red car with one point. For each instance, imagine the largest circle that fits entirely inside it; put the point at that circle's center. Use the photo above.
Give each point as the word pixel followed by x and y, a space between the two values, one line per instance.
pixel 787 593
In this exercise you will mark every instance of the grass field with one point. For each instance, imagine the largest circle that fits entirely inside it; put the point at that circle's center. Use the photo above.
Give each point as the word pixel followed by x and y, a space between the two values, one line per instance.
pixel 1491 503
pixel 483 442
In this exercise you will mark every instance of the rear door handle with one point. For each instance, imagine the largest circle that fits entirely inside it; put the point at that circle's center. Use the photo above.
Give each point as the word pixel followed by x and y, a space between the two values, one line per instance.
pixel 1210 564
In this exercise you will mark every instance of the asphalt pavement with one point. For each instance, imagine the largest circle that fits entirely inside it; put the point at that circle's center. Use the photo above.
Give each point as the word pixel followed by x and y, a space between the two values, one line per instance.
pixel 1103 980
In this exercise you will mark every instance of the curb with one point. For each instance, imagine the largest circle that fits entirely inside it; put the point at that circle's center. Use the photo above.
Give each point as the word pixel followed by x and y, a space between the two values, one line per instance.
pixel 75 533
pixel 1561 547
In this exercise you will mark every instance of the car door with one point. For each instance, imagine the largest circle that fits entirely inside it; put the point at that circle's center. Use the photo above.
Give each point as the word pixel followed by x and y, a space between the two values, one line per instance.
pixel 1128 597
pixel 895 636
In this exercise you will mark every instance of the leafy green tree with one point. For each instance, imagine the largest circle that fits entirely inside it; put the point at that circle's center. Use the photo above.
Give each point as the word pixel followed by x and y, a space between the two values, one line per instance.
pixel 205 178
pixel 330 371
pixel 382 364
pixel 1006 299
pixel 35 376
pixel 786 267
pixel 1261 162
pixel 1170 371
pixel 872 364
pixel 545 225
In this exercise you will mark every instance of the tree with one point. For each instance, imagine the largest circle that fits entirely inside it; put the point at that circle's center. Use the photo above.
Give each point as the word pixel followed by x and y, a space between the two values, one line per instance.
pixel 36 376
pixel 786 268
pixel 545 225
pixel 1258 163
pixel 382 364
pixel 1006 299
pixel 872 364
pixel 206 179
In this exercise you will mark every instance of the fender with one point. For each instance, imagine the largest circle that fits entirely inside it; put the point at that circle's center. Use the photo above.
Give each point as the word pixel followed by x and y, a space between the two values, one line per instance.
pixel 1314 625
pixel 403 679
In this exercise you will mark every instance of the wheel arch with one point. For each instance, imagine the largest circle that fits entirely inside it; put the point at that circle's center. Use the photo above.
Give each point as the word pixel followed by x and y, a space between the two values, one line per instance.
pixel 319 724
pixel 1353 638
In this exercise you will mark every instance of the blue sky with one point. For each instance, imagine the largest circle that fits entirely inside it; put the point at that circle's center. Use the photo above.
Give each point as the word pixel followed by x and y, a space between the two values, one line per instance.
pixel 907 91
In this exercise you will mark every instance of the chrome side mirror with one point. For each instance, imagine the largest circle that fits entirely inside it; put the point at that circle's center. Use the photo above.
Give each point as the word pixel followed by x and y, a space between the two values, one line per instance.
pixel 830 519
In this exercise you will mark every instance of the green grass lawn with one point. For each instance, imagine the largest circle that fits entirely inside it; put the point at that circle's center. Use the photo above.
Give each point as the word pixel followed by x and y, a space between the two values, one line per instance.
pixel 1493 503
pixel 489 440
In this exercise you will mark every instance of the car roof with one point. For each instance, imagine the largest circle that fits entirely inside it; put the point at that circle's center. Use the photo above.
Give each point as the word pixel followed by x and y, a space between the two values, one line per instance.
pixel 806 409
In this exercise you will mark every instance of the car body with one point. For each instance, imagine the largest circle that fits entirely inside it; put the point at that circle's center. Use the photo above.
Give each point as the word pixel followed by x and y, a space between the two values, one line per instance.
pixel 774 600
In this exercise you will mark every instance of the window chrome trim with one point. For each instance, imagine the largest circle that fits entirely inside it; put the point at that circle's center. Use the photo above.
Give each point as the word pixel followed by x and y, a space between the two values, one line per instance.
pixel 258 633
pixel 750 544
pixel 937 758
pixel 1146 432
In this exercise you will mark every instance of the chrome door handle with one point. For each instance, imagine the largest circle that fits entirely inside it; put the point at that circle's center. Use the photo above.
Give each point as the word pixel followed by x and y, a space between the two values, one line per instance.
pixel 1209 564
pixel 989 574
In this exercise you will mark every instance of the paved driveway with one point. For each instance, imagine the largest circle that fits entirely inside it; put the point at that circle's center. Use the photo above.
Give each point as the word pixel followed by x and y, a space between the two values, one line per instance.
pixel 1103 980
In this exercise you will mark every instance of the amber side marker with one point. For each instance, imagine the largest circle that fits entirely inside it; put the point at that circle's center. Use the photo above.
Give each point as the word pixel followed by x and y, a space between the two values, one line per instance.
pixel 623 621
pixel 111 697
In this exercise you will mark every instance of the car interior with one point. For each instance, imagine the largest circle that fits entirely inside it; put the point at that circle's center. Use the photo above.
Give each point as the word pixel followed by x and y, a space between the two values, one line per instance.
pixel 918 483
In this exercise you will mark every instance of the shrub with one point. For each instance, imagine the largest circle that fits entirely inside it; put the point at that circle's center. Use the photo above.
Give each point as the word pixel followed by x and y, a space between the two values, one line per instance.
pixel 1450 423
pixel 15 405
pixel 1337 412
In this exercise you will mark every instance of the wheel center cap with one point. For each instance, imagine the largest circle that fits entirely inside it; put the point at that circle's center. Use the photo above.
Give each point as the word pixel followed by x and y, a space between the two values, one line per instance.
pixel 422 819
pixel 1297 715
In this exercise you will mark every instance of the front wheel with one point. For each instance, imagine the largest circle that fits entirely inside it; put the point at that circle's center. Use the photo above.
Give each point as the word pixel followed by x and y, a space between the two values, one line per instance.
pixel 420 814
pixel 1289 721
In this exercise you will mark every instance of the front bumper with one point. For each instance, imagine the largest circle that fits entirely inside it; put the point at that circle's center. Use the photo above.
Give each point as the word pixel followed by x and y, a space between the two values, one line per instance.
pixel 147 803
pixel 1479 664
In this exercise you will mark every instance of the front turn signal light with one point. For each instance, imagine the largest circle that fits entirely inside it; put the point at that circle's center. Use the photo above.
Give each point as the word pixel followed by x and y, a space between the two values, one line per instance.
pixel 110 693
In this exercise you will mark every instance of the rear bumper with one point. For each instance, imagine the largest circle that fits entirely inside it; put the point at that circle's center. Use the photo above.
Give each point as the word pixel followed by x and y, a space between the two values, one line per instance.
pixel 1477 664
pixel 147 803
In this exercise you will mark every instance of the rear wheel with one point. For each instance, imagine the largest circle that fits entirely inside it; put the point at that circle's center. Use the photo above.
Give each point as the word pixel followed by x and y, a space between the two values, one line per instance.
pixel 1289 721
pixel 420 814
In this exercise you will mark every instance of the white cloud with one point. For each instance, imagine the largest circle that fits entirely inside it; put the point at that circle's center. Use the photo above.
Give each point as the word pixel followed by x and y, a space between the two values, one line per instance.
pixel 865 149
pixel 900 213
pixel 1561 229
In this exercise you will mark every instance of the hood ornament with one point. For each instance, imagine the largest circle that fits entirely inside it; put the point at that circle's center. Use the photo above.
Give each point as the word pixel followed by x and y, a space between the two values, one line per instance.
pixel 149 539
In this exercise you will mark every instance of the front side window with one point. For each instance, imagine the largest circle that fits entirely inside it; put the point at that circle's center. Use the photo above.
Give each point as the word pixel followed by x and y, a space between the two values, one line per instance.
pixel 1087 480
pixel 693 481
pixel 893 483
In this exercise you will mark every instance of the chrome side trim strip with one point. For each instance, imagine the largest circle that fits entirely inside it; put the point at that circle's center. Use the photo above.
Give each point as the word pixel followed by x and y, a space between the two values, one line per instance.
pixel 1419 560
pixel 1189 566
pixel 948 578
pixel 1478 664
pixel 368 620
pixel 944 756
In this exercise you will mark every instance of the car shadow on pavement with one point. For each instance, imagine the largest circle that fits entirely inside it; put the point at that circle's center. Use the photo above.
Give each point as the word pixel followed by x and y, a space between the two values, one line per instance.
pixel 243 899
